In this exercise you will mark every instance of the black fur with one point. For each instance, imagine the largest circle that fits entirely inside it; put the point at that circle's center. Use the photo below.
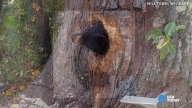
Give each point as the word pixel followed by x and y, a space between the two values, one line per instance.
pixel 96 39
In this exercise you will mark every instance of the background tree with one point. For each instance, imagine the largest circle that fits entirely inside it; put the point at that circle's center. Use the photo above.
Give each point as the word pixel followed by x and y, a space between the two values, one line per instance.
pixel 1 5
pixel 26 36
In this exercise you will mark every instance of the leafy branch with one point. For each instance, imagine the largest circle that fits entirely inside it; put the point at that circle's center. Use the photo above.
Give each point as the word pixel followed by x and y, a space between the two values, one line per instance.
pixel 162 39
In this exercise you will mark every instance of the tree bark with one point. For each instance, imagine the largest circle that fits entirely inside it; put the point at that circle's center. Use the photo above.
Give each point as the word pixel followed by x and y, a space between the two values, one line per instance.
pixel 42 87
pixel 131 66
pixel 74 67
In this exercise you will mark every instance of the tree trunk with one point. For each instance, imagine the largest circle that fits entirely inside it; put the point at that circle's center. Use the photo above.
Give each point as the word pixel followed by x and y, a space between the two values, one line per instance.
pixel 43 39
pixel 42 87
pixel 73 66
pixel 131 66
pixel 1 5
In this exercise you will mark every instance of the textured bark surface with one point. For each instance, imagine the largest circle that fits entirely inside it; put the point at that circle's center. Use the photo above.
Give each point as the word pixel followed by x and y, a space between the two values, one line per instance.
pixel 42 87
pixel 132 65
pixel 74 66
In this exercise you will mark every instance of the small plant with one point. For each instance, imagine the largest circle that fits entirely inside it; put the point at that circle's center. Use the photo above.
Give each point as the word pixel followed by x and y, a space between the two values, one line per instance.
pixel 162 39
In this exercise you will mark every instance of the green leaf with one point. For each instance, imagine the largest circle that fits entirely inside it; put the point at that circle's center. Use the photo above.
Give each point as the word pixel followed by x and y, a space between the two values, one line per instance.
pixel 180 27
pixel 2 37
pixel 10 76
pixel 171 48
pixel 163 52
pixel 10 21
pixel 155 33
pixel 155 40
pixel 30 42
pixel 170 28
pixel 181 8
